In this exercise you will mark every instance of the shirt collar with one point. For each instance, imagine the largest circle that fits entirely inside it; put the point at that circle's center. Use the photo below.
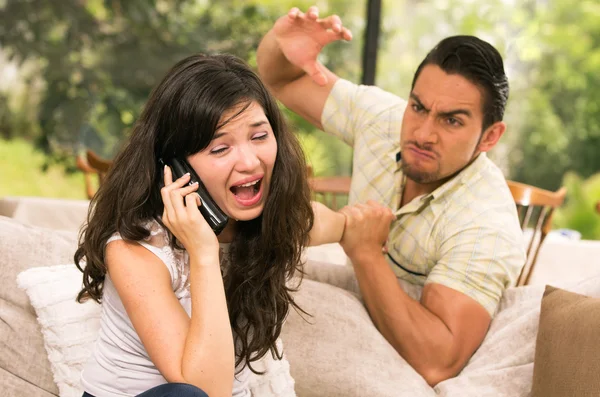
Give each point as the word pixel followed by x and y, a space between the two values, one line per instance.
pixel 466 175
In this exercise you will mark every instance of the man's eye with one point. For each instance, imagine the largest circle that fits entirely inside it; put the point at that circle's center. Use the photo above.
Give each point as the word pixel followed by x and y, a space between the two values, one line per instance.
pixel 417 108
pixel 453 121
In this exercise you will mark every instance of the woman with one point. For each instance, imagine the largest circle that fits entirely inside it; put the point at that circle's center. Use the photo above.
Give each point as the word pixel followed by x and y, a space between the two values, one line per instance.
pixel 184 310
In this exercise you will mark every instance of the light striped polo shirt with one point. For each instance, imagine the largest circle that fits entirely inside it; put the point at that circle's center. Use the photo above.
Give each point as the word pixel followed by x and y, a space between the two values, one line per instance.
pixel 464 235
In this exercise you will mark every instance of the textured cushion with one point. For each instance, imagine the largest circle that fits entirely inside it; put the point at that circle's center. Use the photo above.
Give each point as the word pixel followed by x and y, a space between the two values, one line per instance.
pixel 22 352
pixel 501 367
pixel 13 386
pixel 70 330
pixel 567 357
pixel 337 351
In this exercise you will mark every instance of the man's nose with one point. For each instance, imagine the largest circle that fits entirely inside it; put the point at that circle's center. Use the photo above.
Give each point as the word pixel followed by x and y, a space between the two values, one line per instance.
pixel 425 133
pixel 247 159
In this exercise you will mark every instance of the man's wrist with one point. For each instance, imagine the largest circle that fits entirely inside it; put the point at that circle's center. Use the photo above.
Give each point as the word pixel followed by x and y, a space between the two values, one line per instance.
pixel 364 256
pixel 341 219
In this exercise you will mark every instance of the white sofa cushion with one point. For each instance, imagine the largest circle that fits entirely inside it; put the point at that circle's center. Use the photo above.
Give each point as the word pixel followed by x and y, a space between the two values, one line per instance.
pixel 70 329
pixel 337 351
pixel 23 362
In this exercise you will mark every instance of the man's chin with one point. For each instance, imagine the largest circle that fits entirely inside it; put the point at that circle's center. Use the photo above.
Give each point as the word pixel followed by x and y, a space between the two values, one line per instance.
pixel 420 176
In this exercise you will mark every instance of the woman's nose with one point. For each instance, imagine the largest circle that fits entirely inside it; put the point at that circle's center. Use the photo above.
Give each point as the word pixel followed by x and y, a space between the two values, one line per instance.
pixel 247 159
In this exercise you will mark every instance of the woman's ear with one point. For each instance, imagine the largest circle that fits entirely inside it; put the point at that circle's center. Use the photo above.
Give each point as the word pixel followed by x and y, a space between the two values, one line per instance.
pixel 491 136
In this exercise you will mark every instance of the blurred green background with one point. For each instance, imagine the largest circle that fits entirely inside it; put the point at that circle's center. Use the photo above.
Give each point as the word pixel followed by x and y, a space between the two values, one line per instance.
pixel 74 75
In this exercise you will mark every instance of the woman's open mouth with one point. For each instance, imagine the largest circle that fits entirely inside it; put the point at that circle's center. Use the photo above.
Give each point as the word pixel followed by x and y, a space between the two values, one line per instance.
pixel 248 193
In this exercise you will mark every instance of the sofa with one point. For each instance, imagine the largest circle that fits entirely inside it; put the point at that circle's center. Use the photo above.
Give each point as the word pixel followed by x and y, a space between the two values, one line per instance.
pixel 543 341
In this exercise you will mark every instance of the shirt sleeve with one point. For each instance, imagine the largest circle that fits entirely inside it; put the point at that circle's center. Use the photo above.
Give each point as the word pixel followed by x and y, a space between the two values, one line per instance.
pixel 351 108
pixel 479 260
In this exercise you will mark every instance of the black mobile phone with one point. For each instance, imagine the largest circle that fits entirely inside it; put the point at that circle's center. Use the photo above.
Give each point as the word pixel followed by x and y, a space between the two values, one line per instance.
pixel 215 217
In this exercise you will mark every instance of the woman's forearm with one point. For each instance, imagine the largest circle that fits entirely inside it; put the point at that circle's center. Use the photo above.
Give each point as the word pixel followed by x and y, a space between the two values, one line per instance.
pixel 209 355
pixel 328 226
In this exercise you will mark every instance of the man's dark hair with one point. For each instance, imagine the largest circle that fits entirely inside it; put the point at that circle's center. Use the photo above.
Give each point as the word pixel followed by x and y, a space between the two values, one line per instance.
pixel 480 63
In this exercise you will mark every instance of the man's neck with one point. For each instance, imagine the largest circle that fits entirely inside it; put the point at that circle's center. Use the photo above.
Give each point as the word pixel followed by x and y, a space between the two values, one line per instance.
pixel 414 189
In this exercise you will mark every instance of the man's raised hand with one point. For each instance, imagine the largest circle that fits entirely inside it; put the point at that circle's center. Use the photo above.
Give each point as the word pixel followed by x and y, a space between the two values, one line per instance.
pixel 302 36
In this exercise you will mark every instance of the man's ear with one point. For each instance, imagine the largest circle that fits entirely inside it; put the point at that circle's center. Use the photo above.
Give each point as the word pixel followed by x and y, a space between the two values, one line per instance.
pixel 491 136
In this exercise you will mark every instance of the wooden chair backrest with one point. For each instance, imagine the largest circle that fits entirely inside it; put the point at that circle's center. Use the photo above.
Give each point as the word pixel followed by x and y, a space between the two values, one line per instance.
pixel 329 189
pixel 535 207
pixel 92 165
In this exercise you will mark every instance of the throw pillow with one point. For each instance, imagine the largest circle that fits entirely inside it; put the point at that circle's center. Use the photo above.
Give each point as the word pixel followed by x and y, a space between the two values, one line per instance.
pixel 70 330
pixel 23 362
pixel 567 356
pixel 336 350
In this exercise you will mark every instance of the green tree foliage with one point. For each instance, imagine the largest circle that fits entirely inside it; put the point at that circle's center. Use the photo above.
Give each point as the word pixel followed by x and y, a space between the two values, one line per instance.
pixel 561 119
pixel 99 60
pixel 579 212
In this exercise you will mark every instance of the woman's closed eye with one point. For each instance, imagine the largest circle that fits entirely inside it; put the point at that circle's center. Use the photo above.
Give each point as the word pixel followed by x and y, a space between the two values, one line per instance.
pixel 219 149
pixel 260 136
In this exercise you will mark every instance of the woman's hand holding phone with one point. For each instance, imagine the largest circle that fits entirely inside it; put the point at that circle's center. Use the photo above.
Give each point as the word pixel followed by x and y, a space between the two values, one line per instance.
pixel 185 221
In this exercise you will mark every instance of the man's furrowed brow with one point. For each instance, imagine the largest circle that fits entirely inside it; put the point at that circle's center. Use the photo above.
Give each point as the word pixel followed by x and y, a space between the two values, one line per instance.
pixel 447 113
pixel 456 112
pixel 416 98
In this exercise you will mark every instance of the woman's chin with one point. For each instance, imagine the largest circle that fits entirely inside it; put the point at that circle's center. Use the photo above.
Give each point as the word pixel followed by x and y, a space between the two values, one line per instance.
pixel 245 214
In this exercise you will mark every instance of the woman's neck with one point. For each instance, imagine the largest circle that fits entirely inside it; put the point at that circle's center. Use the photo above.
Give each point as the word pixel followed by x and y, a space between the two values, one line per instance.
pixel 226 236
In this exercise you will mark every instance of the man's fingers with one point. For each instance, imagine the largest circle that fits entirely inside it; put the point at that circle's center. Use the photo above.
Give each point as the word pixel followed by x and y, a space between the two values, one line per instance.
pixel 335 28
pixel 313 13
pixel 332 22
pixel 391 215
pixel 293 13
pixel 346 34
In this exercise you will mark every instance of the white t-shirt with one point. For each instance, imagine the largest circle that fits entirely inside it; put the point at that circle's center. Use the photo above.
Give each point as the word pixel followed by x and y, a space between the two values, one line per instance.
pixel 119 365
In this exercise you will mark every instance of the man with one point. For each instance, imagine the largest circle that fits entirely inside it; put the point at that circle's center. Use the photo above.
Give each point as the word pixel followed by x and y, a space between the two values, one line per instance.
pixel 422 182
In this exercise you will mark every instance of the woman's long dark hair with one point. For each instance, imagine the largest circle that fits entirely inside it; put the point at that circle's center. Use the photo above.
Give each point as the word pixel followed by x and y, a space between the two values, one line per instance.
pixel 180 119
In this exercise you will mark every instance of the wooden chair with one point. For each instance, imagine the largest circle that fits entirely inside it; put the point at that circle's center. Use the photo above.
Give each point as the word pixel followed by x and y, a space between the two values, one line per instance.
pixel 98 163
pixel 88 175
pixel 535 207
pixel 329 188
pixel 92 165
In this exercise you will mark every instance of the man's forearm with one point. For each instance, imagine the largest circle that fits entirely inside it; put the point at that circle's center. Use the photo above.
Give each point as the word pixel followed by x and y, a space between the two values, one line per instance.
pixel 418 335
pixel 273 67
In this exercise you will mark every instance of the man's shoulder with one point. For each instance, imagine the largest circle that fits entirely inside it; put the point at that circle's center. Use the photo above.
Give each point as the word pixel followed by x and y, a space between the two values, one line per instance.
pixel 367 96
pixel 484 181
pixel 479 196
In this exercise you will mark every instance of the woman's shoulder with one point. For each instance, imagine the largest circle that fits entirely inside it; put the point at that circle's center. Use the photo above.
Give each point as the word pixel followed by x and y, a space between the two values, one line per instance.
pixel 157 242
pixel 157 235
